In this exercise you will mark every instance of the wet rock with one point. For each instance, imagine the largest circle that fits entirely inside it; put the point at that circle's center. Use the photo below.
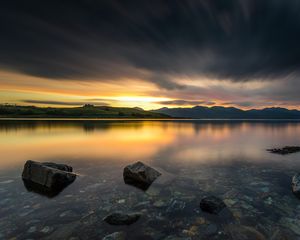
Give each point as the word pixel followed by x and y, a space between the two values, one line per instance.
pixel 46 178
pixel 285 150
pixel 140 175
pixel 119 218
pixel 240 232
pixel 59 166
pixel 290 223
pixel 32 229
pixel 115 236
pixel 177 238
pixel 176 206
pixel 211 229
pixel 212 204
pixel 46 229
pixel 64 232
pixel 296 185
pixel 159 204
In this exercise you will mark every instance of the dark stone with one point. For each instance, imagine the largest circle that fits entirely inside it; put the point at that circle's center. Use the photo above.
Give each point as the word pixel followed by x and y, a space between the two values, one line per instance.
pixel 140 175
pixel 285 150
pixel 59 166
pixel 41 178
pixel 119 218
pixel 212 204
pixel 296 185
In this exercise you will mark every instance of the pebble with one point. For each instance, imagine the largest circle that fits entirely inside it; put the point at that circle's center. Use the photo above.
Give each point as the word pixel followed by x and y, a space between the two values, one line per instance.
pixel 46 229
pixel 32 229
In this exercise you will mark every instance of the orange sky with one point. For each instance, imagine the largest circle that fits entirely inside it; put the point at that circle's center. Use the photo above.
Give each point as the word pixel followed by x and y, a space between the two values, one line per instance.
pixel 18 88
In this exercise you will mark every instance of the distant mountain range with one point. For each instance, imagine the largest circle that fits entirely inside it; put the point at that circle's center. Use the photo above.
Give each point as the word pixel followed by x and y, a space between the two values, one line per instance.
pixel 87 111
pixel 201 112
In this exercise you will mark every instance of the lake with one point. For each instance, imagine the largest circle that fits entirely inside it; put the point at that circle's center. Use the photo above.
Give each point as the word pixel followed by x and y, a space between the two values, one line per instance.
pixel 227 159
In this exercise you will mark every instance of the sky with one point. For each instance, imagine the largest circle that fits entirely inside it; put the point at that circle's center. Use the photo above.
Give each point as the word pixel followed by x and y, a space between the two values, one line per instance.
pixel 150 54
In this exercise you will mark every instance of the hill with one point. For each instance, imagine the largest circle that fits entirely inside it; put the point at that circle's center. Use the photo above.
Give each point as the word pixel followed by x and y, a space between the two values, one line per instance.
pixel 201 112
pixel 87 111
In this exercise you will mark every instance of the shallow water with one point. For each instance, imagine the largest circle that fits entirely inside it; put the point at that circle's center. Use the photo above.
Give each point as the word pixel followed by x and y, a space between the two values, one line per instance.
pixel 197 158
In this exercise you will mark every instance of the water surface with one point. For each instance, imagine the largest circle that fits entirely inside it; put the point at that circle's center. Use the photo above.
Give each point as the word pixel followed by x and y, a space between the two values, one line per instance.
pixel 197 158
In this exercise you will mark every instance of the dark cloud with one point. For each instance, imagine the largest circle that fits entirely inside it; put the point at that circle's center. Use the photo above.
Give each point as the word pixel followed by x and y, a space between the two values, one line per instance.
pixel 64 103
pixel 185 102
pixel 153 40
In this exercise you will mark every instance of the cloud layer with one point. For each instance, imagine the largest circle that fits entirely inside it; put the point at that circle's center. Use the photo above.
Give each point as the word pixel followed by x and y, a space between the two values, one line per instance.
pixel 112 39
pixel 156 41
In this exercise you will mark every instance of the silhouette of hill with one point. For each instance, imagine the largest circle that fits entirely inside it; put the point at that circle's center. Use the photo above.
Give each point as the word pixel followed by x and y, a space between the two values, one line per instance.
pixel 86 111
pixel 218 112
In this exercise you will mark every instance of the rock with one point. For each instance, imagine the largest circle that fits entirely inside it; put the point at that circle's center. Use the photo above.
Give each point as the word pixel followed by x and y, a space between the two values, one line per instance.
pixel 119 218
pixel 140 175
pixel 212 204
pixel 176 206
pixel 285 150
pixel 58 166
pixel 240 232
pixel 211 229
pixel 159 204
pixel 46 178
pixel 115 236
pixel 296 185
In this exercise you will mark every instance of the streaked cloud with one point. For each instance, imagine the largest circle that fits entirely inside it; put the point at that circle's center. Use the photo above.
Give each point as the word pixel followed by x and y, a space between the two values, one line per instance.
pixel 64 103
pixel 181 102
pixel 235 52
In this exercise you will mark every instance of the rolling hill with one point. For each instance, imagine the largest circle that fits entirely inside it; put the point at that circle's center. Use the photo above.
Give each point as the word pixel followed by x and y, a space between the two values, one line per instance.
pixel 217 112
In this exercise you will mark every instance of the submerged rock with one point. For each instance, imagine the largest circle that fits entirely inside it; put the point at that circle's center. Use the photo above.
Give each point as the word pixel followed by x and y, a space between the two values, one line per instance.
pixel 119 218
pixel 140 175
pixel 285 150
pixel 47 178
pixel 240 232
pixel 212 204
pixel 115 236
pixel 296 185
pixel 176 206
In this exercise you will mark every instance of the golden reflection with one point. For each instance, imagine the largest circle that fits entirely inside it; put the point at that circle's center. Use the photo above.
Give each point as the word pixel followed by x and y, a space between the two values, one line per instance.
pixel 128 141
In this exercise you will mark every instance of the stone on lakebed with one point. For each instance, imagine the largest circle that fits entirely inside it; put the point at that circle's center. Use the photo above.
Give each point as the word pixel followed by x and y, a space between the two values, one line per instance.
pixel 119 218
pixel 296 185
pixel 212 204
pixel 47 176
pixel 115 236
pixel 140 175
pixel 285 150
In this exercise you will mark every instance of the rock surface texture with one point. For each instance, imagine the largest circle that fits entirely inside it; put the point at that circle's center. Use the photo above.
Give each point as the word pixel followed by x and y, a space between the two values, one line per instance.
pixel 115 236
pixel 119 218
pixel 296 184
pixel 140 175
pixel 212 204
pixel 51 176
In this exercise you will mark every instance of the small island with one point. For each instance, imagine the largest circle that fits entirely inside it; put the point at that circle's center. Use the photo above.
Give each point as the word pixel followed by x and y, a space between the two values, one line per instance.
pixel 86 111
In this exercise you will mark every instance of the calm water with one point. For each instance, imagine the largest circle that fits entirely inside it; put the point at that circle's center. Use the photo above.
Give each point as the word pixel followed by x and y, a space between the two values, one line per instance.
pixel 197 158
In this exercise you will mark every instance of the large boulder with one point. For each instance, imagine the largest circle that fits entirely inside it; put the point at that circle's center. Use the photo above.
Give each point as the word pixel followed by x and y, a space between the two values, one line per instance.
pixel 140 175
pixel 212 204
pixel 47 177
pixel 296 184
pixel 59 166
pixel 119 218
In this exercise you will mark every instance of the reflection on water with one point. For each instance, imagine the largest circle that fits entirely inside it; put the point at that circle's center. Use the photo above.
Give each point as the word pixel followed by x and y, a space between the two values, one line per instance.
pixel 223 158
